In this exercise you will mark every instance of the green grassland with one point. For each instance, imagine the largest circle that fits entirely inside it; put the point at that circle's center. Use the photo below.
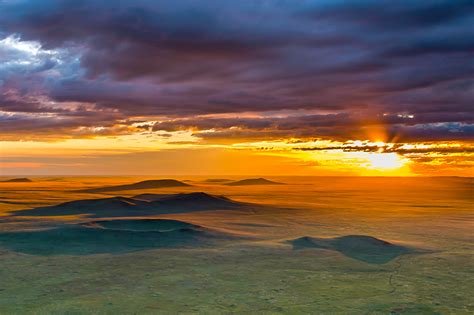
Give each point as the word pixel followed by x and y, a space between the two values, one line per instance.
pixel 260 272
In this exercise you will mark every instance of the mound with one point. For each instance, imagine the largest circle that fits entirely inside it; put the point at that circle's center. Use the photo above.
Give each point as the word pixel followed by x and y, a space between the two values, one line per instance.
pixel 254 181
pixel 140 205
pixel 197 201
pixel 116 236
pixel 146 184
pixel 361 247
pixel 18 180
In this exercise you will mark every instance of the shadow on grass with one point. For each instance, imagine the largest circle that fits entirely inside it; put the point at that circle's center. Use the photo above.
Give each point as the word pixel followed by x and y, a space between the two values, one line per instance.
pixel 360 247
pixel 113 237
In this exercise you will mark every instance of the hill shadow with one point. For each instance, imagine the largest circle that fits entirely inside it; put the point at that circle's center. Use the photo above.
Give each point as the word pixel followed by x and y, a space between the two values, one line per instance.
pixel 112 237
pixel 360 247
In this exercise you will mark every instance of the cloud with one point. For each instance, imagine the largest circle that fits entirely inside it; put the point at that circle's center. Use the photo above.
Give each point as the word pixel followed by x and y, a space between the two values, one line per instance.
pixel 355 63
pixel 343 126
pixel 397 148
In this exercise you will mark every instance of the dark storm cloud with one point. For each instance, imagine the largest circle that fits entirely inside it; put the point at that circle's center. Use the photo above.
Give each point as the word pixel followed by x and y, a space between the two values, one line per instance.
pixel 392 16
pixel 340 126
pixel 296 122
pixel 357 59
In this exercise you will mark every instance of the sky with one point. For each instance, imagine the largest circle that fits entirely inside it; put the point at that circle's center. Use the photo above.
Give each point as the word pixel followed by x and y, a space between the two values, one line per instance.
pixel 213 87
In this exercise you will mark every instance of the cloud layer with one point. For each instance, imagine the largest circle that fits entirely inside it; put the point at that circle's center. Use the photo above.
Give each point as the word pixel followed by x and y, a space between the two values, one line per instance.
pixel 329 69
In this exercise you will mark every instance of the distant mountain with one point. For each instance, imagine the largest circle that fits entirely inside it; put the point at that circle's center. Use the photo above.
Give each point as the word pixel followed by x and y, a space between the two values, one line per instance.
pixel 254 181
pixel 146 184
pixel 361 247
pixel 18 180
pixel 140 205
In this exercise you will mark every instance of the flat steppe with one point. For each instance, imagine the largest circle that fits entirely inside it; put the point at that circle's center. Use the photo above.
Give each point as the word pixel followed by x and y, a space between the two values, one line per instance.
pixel 313 245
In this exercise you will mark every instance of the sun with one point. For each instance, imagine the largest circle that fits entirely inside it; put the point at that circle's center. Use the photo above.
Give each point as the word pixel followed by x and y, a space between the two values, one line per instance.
pixel 385 161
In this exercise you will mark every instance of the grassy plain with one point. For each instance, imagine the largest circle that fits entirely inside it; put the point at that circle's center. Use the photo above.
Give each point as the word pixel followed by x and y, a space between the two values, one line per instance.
pixel 261 272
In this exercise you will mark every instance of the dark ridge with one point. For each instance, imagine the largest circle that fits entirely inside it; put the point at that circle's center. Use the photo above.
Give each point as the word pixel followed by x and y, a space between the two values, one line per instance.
pixel 254 181
pixel 17 180
pixel 140 205
pixel 361 247
pixel 115 237
pixel 146 184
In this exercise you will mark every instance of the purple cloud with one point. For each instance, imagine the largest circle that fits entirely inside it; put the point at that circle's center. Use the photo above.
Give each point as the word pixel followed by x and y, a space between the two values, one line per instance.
pixel 89 63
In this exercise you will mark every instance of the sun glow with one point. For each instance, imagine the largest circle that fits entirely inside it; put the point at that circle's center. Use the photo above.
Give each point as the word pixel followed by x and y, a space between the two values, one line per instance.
pixel 385 161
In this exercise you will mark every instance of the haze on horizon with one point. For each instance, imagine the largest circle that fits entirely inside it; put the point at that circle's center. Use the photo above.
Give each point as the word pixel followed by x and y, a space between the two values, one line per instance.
pixel 236 87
